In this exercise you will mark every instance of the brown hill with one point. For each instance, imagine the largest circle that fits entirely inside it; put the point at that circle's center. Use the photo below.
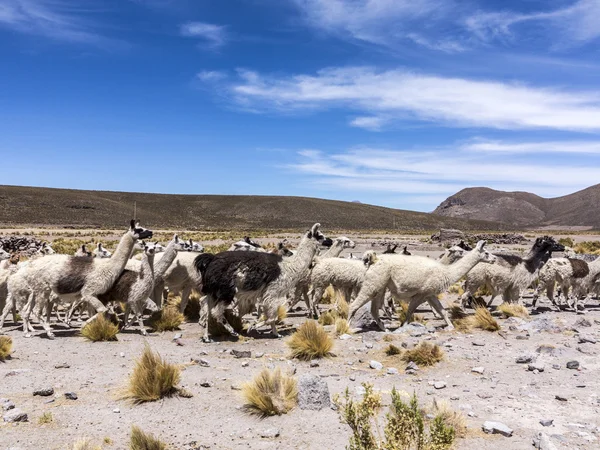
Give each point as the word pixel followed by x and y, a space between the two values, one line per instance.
pixel 522 209
pixel 67 207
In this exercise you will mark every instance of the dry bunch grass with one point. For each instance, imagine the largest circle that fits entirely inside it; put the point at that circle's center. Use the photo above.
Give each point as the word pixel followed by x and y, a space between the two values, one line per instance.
pixel 327 318
pixel 392 350
pixel 100 329
pixel 456 288
pixel 45 418
pixel 152 379
pixel 481 319
pixel 513 310
pixel 85 444
pixel 424 354
pixel 310 341
pixel 167 319
pixel 144 441
pixel 342 327
pixel 270 393
pixel 403 310
pixel 281 313
pixel 452 418
pixel 5 347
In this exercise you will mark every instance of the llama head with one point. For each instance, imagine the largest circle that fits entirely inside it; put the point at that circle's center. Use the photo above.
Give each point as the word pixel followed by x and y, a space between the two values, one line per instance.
pixel 83 251
pixel 194 246
pixel 454 253
pixel 46 249
pixel 179 245
pixel 405 251
pixel 150 248
pixel 283 250
pixel 369 258
pixel 548 244
pixel 249 241
pixel 4 254
pixel 158 248
pixel 345 242
pixel 483 254
pixel 137 232
pixel 101 252
pixel 462 244
pixel 316 234
pixel 390 249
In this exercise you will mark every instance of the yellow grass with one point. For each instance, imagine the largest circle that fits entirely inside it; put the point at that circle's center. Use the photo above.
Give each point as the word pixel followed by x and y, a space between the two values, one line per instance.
pixel 392 350
pixel 5 347
pixel 451 417
pixel 100 329
pixel 327 318
pixel 342 307
pixel 456 288
pixel 270 393
pixel 310 341
pixel 85 444
pixel 513 310
pixel 424 354
pixel 167 319
pixel 152 379
pixel 403 310
pixel 484 320
pixel 45 418
pixel 281 313
pixel 342 327
pixel 144 441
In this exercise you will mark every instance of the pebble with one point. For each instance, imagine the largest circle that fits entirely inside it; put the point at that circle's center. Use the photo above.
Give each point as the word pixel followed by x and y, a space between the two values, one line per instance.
pixel 479 370
pixel 44 392
pixel 314 363
pixel 116 410
pixel 236 387
pixel 484 395
pixel 587 339
pixel 206 384
pixel 412 366
pixel 259 355
pixel 345 337
pixel 70 395
pixel 245 364
pixel 561 398
pixel 122 355
pixel 546 422
pixel 538 366
pixel 542 442
pixel 352 377
pixel 439 384
pixel 392 371
pixel 270 433
pixel 375 365
pixel 478 344
pixel 573 365
pixel 62 366
pixel 203 362
pixel 241 353
pixel 524 359
pixel 497 427
pixel 521 337
pixel 6 404
pixel 15 415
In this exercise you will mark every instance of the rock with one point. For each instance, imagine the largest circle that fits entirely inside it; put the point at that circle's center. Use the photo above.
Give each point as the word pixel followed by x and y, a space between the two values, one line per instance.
pixel 202 362
pixel 116 410
pixel 236 387
pixel 587 339
pixel 70 395
pixel 363 318
pixel 542 442
pixel 352 377
pixel 521 337
pixel 241 353
pixel 392 371
pixel 478 343
pixel 524 359
pixel 313 393
pixel 561 398
pixel 270 433
pixel 541 324
pixel 414 329
pixel 122 355
pixel 546 422
pixel 582 322
pixel 497 428
pixel 369 344
pixel 484 395
pixel 314 363
pixel 259 354
pixel 206 384
pixel 62 366
pixel 479 370
pixel 8 405
pixel 345 337
pixel 412 366
pixel 15 415
pixel 245 364
pixel 439 384
pixel 44 392
pixel 375 365
pixel 573 365
pixel 537 366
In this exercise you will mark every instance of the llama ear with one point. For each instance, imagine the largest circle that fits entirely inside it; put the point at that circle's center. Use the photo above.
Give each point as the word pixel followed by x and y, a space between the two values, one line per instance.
pixel 176 238
pixel 315 228
pixel 481 244
pixel 132 224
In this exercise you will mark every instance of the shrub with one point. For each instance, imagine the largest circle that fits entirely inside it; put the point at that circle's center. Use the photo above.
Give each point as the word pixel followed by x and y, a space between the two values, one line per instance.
pixel 513 310
pixel 342 307
pixel 567 242
pixel 45 418
pixel 450 417
pixel 281 313
pixel 424 354
pixel 389 338
pixel 100 329
pixel 144 441
pixel 192 309
pixel 484 320
pixel 85 444
pixel 392 350
pixel 5 347
pixel 152 379
pixel 405 427
pixel 167 319
pixel 270 393
pixel 588 247
pixel 310 341
pixel 327 318
pixel 341 327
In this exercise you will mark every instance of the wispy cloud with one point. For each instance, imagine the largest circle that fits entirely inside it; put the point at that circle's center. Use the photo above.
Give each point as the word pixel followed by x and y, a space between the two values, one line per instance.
pixel 572 147
pixel 56 19
pixel 576 24
pixel 215 36
pixel 400 97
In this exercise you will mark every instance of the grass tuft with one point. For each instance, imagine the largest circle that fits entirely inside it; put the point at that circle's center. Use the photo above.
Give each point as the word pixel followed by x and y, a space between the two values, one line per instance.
pixel 270 393
pixel 45 418
pixel 389 338
pixel 167 319
pixel 5 347
pixel 483 319
pixel 100 329
pixel 452 418
pixel 327 318
pixel 310 341
pixel 342 307
pixel 85 444
pixel 424 354
pixel 281 313
pixel 152 379
pixel 144 441
pixel 403 310
pixel 392 350
pixel 342 327
pixel 456 288
pixel 513 310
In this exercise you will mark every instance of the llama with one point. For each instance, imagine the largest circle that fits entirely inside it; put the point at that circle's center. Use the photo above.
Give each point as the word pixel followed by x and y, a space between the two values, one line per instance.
pixel 390 250
pixel 511 274
pixel 415 278
pixel 253 279
pixel 82 251
pixel 8 266
pixel 246 245
pixel 282 250
pixel 71 278
pixel 195 246
pixel 405 251
pixel 101 252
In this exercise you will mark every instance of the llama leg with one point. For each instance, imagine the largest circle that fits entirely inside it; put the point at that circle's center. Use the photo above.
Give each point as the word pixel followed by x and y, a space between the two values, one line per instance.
pixel 376 305
pixel 205 311
pixel 366 293
pixel 435 303
pixel 139 311
pixel 10 306
pixel 219 315
pixel 96 304
pixel 185 297
pixel 412 307
pixel 313 306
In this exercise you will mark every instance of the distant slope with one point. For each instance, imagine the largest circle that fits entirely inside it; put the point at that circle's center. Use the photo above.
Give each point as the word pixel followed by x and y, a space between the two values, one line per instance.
pixel 67 207
pixel 524 209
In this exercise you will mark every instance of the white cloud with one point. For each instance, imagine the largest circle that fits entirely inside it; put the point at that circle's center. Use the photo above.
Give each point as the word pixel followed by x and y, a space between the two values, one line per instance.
pixel 215 35
pixel 56 19
pixel 590 147
pixel 372 123
pixel 211 75
pixel 400 96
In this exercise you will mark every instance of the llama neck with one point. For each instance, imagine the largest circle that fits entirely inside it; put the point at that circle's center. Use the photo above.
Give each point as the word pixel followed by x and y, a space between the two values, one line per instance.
pixel 297 266
pixel 121 255
pixel 167 259
pixel 147 267
pixel 334 251
pixel 461 267
pixel 535 259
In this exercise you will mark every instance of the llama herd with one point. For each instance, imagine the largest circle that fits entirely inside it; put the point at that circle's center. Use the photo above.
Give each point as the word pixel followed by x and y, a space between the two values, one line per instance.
pixel 248 279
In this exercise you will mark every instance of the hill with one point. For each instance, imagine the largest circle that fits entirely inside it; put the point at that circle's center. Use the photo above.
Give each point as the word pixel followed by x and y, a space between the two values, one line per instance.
pixel 523 209
pixel 67 207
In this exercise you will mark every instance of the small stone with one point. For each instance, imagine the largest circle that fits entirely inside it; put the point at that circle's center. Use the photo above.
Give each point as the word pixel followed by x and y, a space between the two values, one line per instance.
pixel 412 366
pixel 375 365
pixel 478 343
pixel 47 402
pixel 313 393
pixel 203 362
pixel 44 392
pixel 410 371
pixel 497 427
pixel 70 395
pixel 345 337
pixel 582 322
pixel 537 366
pixel 521 337
pixel 479 370
pixel 245 364
pixel 369 344
pixel 15 415
pixel 116 410
pixel 573 365
pixel 62 366
pixel 439 384
pixel 259 355
pixel 484 395
pixel 8 405
pixel 314 363
pixel 542 442
pixel 241 353
pixel 236 387
pixel 587 339
pixel 556 366
pixel 561 398
pixel 122 355
pixel 392 371
pixel 524 359
pixel 546 422
pixel 177 336
pixel 270 433
pixel 352 377
pixel 206 384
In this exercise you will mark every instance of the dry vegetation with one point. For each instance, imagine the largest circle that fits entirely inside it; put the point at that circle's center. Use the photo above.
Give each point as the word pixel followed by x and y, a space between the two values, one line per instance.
pixel 100 329
pixel 310 341
pixel 5 347
pixel 270 393
pixel 85 444
pixel 141 440
pixel 167 319
pixel 403 310
pixel 424 354
pixel 342 327
pixel 513 310
pixel 482 319
pixel 153 378
pixel 45 418
pixel 588 247
pixel 392 350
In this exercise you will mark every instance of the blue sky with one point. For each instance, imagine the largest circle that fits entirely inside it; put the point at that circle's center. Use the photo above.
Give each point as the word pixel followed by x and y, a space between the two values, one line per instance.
pixel 391 102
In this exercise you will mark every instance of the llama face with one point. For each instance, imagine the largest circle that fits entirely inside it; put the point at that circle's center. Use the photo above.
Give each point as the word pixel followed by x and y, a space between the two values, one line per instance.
pixel 346 242
pixel 180 246
pixel 455 253
pixel 82 251
pixel 484 255
pixel 150 249
pixel 195 247
pixel 138 232
pixel 315 233
pixel 101 252
pixel 46 249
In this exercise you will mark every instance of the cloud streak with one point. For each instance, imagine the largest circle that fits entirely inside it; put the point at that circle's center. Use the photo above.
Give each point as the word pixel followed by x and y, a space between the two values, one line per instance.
pixel 215 36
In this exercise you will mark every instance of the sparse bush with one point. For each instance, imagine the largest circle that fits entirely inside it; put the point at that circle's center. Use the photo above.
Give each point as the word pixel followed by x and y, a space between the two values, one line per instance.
pixel 45 418
pixel 567 242
pixel 405 427
pixel 389 338
pixel 100 329
pixel 588 247
pixel 484 320
pixel 281 313
pixel 270 393
pixel 310 341
pixel 152 379
pixel 403 310
pixel 456 288
pixel 144 441
pixel 85 444
pixel 5 347
pixel 450 417
pixel 167 319
pixel 329 296
pixel 392 350
pixel 341 327
pixel 424 354
pixel 513 310
pixel 327 318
